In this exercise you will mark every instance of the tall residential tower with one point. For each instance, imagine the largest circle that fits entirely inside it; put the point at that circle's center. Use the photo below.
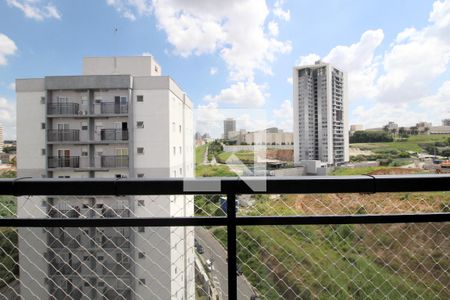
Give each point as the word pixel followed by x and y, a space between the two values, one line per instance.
pixel 320 114
pixel 121 118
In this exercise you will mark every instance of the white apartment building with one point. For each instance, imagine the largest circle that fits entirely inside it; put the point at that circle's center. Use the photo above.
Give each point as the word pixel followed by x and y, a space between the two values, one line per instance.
pixel 121 118
pixel 320 114
pixel 269 136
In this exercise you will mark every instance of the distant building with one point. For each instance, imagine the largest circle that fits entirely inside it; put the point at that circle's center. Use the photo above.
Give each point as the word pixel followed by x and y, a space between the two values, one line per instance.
pixel 446 122
pixel 228 125
pixel 423 127
pixel 440 130
pixel 269 136
pixel 391 127
pixel 320 114
pixel 356 127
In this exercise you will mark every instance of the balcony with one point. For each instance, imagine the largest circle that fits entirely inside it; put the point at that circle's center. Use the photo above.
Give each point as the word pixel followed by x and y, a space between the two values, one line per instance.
pixel 108 108
pixel 113 135
pixel 63 135
pixel 114 161
pixel 63 108
pixel 63 162
pixel 287 240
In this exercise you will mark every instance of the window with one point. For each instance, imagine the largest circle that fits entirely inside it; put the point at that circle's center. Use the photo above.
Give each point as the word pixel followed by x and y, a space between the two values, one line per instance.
pixel 84 152
pixel 140 150
pixel 42 125
pixel 84 126
pixel 181 171
pixel 42 100
pixel 140 124
pixel 174 150
pixel 43 151
pixel 179 128
pixel 141 229
pixel 140 98
pixel 100 258
pixel 173 126
pixel 180 150
pixel 86 283
pixel 101 284
pixel 44 203
pixel 141 255
pixel 141 203
pixel 142 281
pixel 140 175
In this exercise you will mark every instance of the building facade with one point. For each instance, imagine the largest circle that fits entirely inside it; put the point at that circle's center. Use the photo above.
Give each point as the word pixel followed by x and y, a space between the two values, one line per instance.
pixel 269 136
pixel 229 125
pixel 320 114
pixel 120 119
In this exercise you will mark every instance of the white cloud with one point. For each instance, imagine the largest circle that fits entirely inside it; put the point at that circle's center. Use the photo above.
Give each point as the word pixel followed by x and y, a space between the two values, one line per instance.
pixel 247 94
pixel 146 54
pixel 12 86
pixel 279 12
pixel 36 9
pixel 213 71
pixel 8 118
pixel 289 80
pixel 309 59
pixel 273 28
pixel 197 27
pixel 283 116
pixel 7 47
pixel 131 9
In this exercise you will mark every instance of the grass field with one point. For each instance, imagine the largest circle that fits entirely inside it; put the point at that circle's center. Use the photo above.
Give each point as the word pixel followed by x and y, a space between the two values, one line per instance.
pixel 346 261
pixel 247 157
pixel 200 154
pixel 411 144
pixel 213 171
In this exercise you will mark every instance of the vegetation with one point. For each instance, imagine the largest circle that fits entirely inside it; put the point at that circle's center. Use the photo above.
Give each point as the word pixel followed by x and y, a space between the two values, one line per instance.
pixel 213 171
pixel 10 149
pixel 345 261
pixel 200 154
pixel 246 157
pixel 9 256
pixel 416 143
pixel 214 149
pixel 370 137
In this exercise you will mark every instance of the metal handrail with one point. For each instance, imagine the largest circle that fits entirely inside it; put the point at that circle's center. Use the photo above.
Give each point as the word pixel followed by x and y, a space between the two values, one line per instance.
pixel 231 187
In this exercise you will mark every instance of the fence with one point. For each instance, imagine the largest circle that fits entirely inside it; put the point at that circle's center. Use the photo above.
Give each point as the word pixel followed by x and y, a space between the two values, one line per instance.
pixel 300 237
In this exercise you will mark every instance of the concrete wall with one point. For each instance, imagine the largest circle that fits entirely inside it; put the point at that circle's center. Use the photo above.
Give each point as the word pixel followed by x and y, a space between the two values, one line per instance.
pixel 135 66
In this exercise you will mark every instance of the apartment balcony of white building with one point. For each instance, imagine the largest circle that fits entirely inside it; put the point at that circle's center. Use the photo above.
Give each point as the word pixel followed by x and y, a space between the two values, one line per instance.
pixel 80 110
pixel 84 163
pixel 81 136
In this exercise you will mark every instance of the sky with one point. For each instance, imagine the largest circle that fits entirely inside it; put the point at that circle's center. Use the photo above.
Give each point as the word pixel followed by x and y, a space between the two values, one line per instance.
pixel 235 57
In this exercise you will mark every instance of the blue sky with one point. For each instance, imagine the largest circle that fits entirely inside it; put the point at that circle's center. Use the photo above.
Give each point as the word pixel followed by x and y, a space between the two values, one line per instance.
pixel 240 54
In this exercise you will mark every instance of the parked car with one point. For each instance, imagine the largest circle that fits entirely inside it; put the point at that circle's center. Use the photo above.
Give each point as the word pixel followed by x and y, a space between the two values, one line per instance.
pixel 200 249
pixel 209 265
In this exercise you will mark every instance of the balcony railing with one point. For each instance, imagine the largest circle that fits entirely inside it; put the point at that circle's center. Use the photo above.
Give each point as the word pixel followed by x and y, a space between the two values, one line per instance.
pixel 370 249
pixel 63 108
pixel 113 108
pixel 113 135
pixel 114 161
pixel 63 162
pixel 63 135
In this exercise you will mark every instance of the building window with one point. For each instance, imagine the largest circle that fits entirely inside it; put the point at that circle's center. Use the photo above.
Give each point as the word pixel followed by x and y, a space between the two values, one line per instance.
pixel 42 100
pixel 142 281
pixel 141 229
pixel 43 151
pixel 140 124
pixel 42 125
pixel 174 150
pixel 173 126
pixel 179 128
pixel 44 203
pixel 84 126
pixel 141 255
pixel 84 152
pixel 101 284
pixel 140 175
pixel 140 150
pixel 141 203
pixel 181 172
pixel 140 98
pixel 180 150
pixel 100 258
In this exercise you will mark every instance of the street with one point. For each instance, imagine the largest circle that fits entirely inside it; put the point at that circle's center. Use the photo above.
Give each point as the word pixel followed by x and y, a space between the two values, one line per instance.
pixel 216 253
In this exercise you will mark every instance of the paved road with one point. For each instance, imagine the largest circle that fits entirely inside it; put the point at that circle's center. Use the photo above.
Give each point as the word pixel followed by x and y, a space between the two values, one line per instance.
pixel 216 253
